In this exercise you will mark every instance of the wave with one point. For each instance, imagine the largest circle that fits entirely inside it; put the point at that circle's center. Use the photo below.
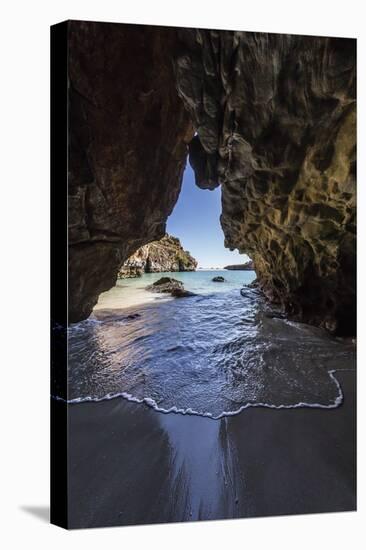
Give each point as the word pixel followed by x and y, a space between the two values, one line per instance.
pixel 214 359
pixel 150 402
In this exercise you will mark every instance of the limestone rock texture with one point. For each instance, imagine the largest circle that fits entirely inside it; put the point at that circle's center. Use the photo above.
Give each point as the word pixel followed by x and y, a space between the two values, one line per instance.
pixel 130 271
pixel 128 136
pixel 275 120
pixel 269 117
pixel 167 254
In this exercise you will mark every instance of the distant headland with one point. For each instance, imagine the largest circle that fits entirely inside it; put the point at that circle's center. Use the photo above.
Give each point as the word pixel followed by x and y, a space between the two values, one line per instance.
pixel 164 255
pixel 248 266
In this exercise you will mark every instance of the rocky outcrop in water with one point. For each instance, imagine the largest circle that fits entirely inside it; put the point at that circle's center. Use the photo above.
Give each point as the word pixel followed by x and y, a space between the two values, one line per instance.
pixel 167 254
pixel 275 123
pixel 168 285
pixel 275 119
pixel 165 285
pixel 182 293
pixel 248 266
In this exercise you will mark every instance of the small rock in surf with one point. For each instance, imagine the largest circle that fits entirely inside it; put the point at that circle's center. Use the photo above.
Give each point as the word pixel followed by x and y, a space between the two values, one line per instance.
pixel 165 284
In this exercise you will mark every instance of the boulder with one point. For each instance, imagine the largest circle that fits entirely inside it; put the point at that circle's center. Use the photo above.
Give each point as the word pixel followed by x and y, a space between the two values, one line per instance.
pixel 166 285
pixel 182 293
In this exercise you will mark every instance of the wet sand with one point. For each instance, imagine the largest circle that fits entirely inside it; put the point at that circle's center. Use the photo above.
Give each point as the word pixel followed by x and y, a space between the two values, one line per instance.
pixel 123 296
pixel 129 464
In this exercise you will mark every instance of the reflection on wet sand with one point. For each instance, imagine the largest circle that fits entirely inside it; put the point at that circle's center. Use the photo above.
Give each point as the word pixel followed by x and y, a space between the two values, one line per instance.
pixel 204 475
pixel 132 465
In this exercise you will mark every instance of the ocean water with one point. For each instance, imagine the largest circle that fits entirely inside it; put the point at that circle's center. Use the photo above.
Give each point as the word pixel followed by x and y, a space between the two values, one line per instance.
pixel 130 292
pixel 214 354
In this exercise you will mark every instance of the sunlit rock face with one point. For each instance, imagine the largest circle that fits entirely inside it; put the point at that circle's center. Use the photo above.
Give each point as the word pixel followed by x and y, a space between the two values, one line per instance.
pixel 275 120
pixel 128 136
pixel 164 255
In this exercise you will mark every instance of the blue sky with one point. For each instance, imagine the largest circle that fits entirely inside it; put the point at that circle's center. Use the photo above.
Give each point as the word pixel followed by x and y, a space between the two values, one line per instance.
pixel 195 220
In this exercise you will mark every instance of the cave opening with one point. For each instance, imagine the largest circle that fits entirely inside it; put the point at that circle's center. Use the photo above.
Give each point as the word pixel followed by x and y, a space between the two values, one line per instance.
pixel 194 241
pixel 195 220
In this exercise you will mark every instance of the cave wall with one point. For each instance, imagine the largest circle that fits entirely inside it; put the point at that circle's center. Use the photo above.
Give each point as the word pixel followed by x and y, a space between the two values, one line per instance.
pixel 275 117
pixel 275 121
pixel 128 136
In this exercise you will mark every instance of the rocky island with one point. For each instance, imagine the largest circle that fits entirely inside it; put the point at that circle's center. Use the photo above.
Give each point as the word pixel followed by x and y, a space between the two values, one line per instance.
pixel 248 266
pixel 164 255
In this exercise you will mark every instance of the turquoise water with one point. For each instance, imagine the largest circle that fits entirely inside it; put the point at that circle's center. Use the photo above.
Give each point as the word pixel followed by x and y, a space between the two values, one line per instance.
pixel 132 292
pixel 199 281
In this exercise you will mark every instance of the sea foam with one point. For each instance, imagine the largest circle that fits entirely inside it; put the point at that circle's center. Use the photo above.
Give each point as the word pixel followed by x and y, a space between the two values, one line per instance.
pixel 214 358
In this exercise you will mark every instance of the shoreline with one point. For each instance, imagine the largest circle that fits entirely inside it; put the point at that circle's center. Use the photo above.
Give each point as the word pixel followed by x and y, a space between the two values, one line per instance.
pixel 131 465
pixel 129 292
pixel 129 297
pixel 151 403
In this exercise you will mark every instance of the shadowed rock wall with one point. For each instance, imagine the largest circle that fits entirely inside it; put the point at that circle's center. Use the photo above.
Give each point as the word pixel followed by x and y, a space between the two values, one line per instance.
pixel 275 117
pixel 275 122
pixel 128 144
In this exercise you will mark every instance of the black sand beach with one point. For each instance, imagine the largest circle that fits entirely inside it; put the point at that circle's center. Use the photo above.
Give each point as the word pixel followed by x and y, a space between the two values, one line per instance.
pixel 129 464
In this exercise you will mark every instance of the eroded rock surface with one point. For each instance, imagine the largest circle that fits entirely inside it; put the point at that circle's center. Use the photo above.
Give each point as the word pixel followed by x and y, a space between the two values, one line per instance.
pixel 275 123
pixel 128 271
pixel 167 254
pixel 128 145
pixel 275 120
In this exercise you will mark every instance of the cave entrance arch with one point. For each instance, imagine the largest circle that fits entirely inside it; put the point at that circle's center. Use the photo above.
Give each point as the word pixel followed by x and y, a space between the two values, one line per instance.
pixel 195 220
pixel 281 141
